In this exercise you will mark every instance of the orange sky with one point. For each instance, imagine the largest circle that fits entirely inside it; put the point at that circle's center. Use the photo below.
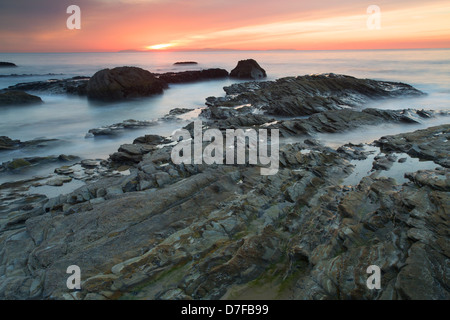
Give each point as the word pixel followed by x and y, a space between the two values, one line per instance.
pixel 113 25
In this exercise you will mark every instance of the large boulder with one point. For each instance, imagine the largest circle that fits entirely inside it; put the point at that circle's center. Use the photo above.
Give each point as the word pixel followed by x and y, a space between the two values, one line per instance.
pixel 248 69
pixel 14 97
pixel 122 83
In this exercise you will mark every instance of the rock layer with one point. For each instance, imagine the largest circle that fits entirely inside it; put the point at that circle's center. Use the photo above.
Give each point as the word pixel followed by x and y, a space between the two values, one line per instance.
pixel 306 95
pixel 145 236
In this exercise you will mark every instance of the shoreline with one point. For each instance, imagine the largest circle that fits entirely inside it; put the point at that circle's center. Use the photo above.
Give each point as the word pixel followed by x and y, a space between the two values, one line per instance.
pixel 137 231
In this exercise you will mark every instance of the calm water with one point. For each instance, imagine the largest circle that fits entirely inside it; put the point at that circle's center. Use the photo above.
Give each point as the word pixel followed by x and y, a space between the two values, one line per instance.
pixel 69 118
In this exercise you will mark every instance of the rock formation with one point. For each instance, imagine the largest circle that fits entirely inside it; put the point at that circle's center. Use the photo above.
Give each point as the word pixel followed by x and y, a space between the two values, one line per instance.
pixel 197 231
pixel 122 83
pixel 9 98
pixel 7 64
pixel 248 69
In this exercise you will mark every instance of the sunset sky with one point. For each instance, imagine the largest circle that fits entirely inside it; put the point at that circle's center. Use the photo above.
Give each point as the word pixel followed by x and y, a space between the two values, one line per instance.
pixel 114 25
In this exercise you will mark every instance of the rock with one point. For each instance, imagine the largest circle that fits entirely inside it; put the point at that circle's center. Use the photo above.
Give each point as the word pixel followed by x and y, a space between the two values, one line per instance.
pixel 225 231
pixel 122 158
pixel 11 98
pixel 185 62
pixel 123 83
pixel 427 144
pixel 7 143
pixel 248 69
pixel 191 76
pixel 58 181
pixel 66 170
pixel 179 111
pixel 162 178
pixel 67 158
pixel 7 64
pixel 89 163
pixel 106 85
pixel 76 85
pixel 17 164
pixel 306 95
pixel 383 163
pixel 118 128
pixel 22 163
pixel 135 149
pixel 151 139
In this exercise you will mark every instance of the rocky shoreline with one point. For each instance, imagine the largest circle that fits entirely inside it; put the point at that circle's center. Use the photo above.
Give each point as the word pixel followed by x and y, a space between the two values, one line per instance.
pixel 143 227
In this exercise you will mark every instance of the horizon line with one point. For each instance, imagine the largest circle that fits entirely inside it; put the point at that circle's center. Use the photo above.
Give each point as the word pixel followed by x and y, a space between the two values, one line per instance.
pixel 228 50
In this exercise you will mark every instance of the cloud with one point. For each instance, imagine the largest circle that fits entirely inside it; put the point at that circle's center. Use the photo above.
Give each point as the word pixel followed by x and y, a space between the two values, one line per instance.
pixel 116 24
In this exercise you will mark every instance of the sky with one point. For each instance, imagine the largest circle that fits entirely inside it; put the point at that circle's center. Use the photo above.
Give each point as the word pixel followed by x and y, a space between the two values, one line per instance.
pixel 115 25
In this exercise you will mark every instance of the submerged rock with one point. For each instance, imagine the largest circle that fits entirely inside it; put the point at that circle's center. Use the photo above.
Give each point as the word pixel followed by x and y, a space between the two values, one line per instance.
pixel 14 97
pixel 22 163
pixel 191 76
pixel 76 85
pixel 427 144
pixel 7 64
pixel 117 128
pixel 185 62
pixel 7 143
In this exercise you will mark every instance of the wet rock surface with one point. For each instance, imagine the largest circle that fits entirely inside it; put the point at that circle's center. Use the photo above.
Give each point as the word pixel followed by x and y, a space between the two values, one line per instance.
pixel 306 95
pixel 21 163
pixel 428 144
pixel 76 85
pixel 6 143
pixel 333 121
pixel 143 227
pixel 192 76
pixel 143 235
pixel 117 128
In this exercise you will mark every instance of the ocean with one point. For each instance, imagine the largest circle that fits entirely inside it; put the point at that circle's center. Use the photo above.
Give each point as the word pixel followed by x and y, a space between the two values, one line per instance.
pixel 69 118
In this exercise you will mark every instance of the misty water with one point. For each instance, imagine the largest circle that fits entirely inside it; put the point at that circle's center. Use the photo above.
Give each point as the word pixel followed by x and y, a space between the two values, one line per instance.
pixel 68 118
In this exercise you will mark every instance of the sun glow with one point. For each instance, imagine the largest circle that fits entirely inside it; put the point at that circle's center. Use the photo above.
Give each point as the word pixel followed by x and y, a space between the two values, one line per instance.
pixel 160 46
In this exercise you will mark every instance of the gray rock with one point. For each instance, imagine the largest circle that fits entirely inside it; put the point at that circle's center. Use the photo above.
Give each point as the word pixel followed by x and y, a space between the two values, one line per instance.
pixel 123 83
pixel 7 64
pixel 248 69
pixel 306 95
pixel 16 98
